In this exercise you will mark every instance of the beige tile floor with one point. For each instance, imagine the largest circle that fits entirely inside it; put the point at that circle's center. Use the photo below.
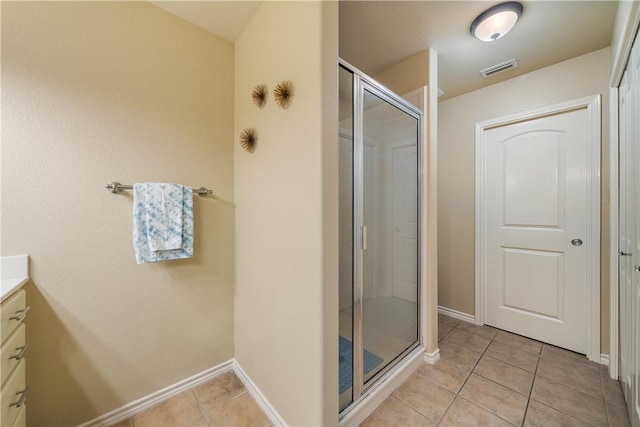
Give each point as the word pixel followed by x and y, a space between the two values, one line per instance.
pixel 488 377
pixel 485 377
pixel 223 401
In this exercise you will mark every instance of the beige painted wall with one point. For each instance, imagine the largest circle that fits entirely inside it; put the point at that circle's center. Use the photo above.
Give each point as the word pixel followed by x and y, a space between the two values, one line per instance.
pixel 582 76
pixel 286 313
pixel 94 92
pixel 407 75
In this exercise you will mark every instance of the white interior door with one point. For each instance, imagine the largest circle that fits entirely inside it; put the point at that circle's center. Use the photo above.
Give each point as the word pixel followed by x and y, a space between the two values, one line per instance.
pixel 626 127
pixel 635 212
pixel 629 233
pixel 535 228
pixel 633 207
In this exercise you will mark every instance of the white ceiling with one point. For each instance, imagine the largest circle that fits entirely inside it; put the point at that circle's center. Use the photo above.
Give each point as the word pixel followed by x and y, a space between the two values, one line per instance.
pixel 226 19
pixel 375 35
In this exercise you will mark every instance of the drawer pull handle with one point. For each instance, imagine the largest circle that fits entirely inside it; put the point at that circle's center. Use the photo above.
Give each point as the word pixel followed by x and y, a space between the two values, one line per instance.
pixel 22 350
pixel 20 314
pixel 23 397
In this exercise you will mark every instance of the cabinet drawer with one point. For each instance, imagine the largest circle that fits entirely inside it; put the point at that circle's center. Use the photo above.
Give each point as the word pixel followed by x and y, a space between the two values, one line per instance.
pixel 12 352
pixel 13 311
pixel 21 420
pixel 13 391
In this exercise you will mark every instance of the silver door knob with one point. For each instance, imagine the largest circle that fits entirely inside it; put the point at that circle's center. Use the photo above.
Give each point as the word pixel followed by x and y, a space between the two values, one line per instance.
pixel 622 253
pixel 576 242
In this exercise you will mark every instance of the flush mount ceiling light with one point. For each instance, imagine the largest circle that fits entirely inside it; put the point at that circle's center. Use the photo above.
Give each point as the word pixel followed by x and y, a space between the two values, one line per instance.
pixel 496 21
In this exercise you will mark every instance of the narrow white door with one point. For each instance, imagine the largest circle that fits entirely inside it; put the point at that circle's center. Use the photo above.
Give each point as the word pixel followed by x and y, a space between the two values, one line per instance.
pixel 633 174
pixel 629 233
pixel 405 221
pixel 536 227
pixel 625 274
pixel 635 214
pixel 625 244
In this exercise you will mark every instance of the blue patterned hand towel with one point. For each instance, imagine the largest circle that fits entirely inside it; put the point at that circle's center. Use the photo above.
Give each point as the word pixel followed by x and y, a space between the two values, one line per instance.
pixel 164 216
pixel 162 222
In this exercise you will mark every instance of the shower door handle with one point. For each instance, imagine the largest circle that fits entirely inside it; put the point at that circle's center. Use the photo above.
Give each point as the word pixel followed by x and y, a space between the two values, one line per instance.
pixel 364 237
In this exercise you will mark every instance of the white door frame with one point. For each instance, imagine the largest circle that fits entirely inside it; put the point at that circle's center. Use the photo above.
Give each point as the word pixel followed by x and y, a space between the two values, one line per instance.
pixel 592 104
pixel 619 64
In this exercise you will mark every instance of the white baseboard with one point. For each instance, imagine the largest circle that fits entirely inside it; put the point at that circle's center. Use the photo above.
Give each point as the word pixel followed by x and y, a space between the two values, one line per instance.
pixel 457 314
pixel 257 395
pixel 362 410
pixel 383 389
pixel 604 359
pixel 433 357
pixel 130 409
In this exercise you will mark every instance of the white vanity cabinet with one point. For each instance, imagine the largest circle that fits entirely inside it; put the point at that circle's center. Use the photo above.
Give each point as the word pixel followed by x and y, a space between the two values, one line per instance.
pixel 13 348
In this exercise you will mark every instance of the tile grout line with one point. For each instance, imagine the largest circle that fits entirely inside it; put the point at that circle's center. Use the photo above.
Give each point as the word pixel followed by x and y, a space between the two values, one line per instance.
pixel 513 364
pixel 604 397
pixel 535 375
pixel 573 389
pixel 444 414
pixel 402 402
pixel 538 355
pixel 552 380
pixel 457 394
pixel 562 410
pixel 449 332
pixel 407 404
pixel 202 413
pixel 199 405
pixel 495 382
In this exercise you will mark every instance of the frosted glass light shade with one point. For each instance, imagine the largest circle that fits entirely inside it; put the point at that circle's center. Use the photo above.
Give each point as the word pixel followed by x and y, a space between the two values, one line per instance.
pixel 497 21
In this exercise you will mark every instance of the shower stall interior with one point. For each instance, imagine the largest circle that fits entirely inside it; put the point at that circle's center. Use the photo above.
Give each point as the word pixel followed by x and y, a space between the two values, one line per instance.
pixel 379 208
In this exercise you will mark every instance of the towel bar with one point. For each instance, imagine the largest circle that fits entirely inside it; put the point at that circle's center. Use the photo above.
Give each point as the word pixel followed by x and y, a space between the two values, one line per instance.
pixel 116 187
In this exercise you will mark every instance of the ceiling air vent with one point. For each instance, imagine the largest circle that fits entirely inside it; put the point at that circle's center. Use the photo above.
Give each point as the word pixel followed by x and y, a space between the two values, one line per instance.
pixel 499 68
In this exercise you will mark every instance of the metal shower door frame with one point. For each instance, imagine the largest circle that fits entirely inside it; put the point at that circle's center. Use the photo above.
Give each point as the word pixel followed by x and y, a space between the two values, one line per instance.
pixel 362 83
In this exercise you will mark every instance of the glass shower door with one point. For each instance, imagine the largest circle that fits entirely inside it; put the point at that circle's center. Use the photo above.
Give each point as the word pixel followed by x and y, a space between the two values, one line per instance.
pixel 389 230
pixel 379 214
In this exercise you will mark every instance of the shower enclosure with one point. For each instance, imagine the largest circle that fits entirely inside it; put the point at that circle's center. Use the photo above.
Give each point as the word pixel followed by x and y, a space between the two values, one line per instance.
pixel 379 259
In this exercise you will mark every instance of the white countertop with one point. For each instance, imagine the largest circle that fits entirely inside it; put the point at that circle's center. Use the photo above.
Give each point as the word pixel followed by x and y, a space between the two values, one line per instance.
pixel 14 272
